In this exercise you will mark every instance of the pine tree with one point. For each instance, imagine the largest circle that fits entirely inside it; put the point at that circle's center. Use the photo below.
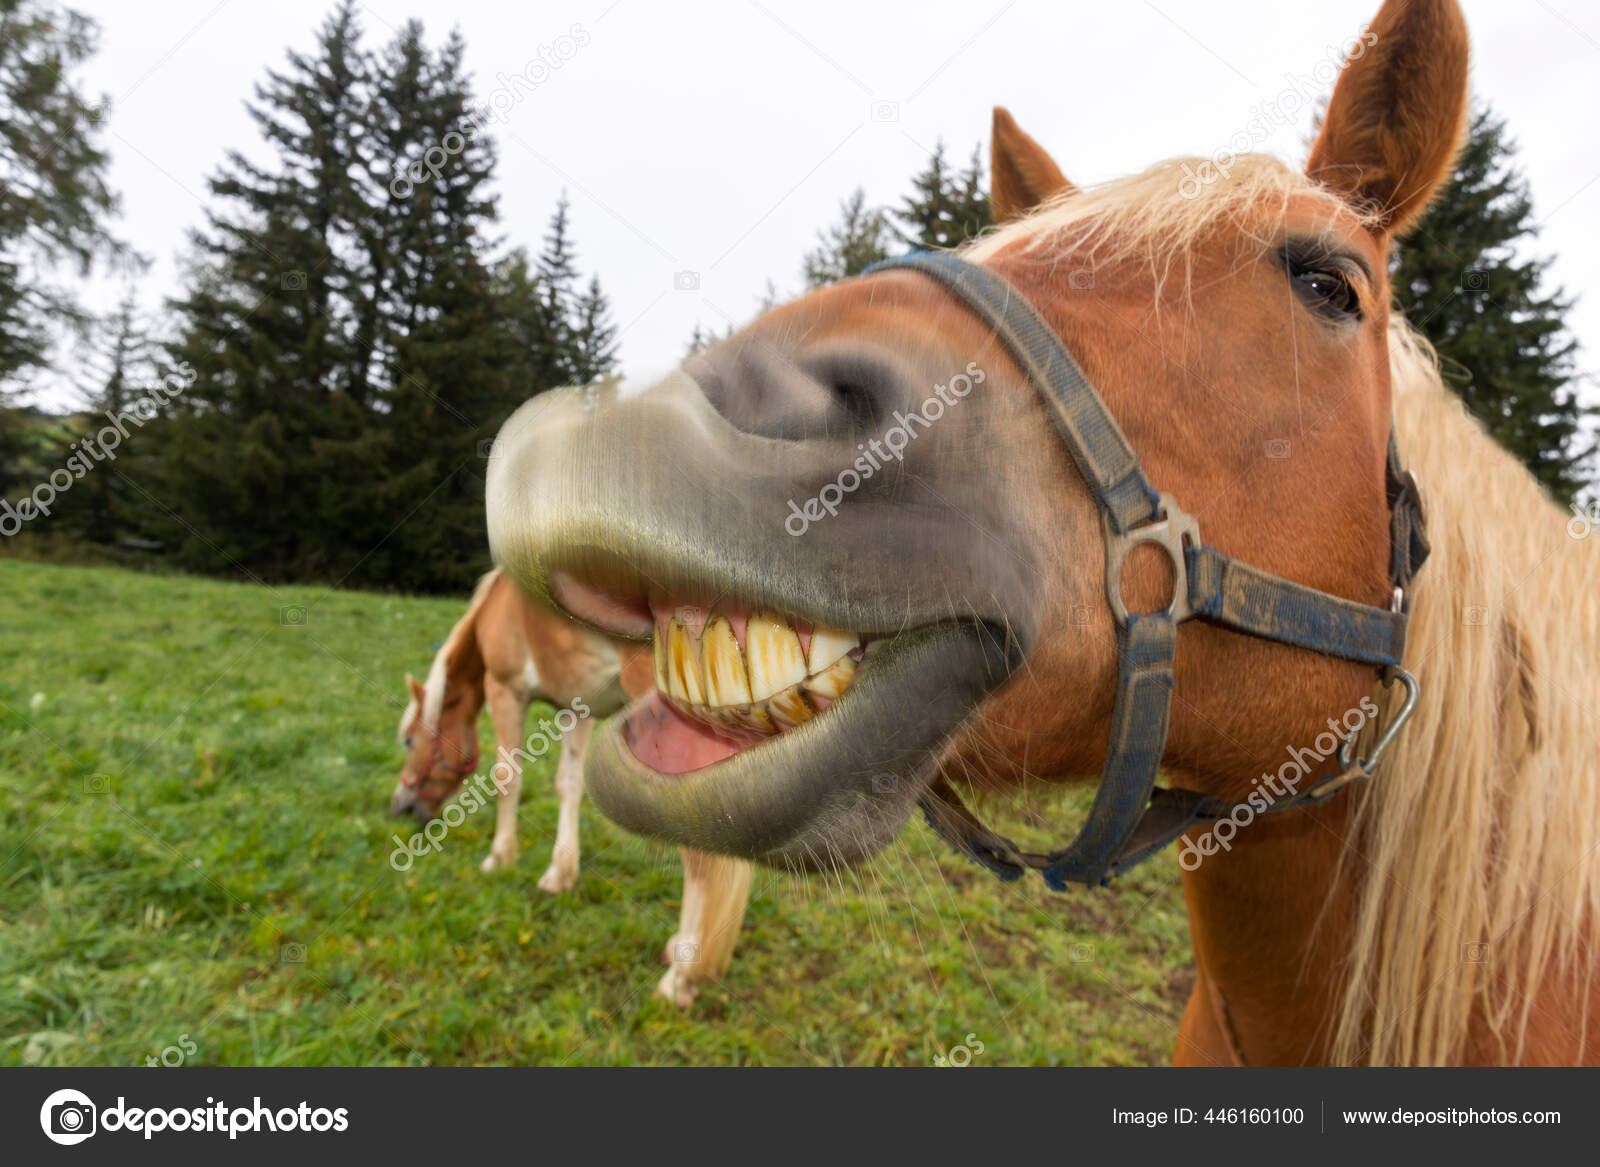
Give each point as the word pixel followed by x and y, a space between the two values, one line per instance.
pixel 858 240
pixel 102 507
pixel 558 276
pixel 972 211
pixel 1501 337
pixel 594 337
pixel 453 373
pixel 54 194
pixel 945 208
pixel 358 345
pixel 266 324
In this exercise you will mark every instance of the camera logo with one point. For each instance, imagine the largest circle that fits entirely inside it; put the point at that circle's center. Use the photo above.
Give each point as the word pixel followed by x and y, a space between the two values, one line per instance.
pixel 68 1117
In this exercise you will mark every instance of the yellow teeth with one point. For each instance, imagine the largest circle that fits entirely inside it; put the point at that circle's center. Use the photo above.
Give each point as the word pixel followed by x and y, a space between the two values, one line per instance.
pixel 723 663
pixel 833 680
pixel 683 667
pixel 776 661
pixel 768 685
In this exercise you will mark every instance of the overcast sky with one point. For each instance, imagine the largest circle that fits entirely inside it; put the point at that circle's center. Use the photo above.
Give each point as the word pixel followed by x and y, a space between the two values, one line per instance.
pixel 716 137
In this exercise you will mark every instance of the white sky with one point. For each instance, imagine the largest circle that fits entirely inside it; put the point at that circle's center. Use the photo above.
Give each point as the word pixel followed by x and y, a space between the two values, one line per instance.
pixel 717 136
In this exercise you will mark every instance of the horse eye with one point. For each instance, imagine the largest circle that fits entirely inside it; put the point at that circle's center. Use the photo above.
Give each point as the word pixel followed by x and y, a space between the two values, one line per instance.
pixel 409 740
pixel 1327 289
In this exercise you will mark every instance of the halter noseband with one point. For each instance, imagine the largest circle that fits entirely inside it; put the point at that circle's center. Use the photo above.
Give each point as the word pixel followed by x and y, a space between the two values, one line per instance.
pixel 1131 818
pixel 458 772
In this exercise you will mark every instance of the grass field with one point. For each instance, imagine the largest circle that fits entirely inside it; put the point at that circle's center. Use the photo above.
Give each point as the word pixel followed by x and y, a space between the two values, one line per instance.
pixel 194 779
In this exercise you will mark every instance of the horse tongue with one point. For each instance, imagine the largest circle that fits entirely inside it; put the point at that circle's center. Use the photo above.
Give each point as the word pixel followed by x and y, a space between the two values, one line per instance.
pixel 670 743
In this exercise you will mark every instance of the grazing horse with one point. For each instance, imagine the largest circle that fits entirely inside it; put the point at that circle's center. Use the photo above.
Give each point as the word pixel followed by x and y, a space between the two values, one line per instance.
pixel 508 652
pixel 952 461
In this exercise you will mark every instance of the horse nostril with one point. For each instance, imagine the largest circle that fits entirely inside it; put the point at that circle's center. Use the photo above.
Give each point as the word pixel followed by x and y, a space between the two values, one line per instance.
pixel 404 799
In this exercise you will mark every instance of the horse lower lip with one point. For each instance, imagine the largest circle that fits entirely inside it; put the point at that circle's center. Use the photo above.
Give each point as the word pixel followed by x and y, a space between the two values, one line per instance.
pixel 785 799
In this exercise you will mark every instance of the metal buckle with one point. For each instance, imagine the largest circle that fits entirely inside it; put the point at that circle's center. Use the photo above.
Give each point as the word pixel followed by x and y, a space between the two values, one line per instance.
pixel 1390 674
pixel 1168 533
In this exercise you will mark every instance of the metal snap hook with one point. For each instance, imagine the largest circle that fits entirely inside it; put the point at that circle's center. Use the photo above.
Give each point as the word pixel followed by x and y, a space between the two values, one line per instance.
pixel 1390 674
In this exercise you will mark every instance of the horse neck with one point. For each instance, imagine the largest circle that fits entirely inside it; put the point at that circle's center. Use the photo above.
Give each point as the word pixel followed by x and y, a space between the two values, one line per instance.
pixel 1338 933
pixel 1267 919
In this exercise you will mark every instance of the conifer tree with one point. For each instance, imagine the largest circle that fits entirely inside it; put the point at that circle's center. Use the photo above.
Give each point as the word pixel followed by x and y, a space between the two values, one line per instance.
pixel 858 240
pixel 266 326
pixel 102 506
pixel 594 336
pixel 54 195
pixel 945 208
pixel 1461 278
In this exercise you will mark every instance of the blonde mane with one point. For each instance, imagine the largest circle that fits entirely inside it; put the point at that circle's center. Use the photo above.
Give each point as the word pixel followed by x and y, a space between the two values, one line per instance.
pixel 1480 869
pixel 433 689
pixel 1476 869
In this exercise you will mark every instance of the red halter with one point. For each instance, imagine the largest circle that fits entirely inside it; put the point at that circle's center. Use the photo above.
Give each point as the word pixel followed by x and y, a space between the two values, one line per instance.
pixel 459 771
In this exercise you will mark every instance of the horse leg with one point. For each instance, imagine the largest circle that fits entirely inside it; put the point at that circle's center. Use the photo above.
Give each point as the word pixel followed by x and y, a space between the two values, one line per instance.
pixel 563 870
pixel 716 889
pixel 509 712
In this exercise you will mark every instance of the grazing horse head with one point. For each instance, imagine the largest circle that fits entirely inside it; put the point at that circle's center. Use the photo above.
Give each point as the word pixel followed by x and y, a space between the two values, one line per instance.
pixel 870 562
pixel 440 736
pixel 439 728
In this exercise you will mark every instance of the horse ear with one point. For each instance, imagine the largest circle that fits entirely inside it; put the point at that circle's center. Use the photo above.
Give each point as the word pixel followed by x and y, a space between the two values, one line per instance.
pixel 417 691
pixel 1396 116
pixel 1022 175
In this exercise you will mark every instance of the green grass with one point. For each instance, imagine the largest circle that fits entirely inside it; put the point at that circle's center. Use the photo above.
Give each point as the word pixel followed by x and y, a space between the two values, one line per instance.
pixel 193 793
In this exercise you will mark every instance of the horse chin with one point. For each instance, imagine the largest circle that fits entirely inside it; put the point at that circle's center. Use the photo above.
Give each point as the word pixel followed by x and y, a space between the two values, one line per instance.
pixel 830 791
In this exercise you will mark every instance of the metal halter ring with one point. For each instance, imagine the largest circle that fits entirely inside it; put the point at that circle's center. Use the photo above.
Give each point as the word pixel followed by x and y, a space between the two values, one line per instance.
pixel 1389 675
pixel 1169 533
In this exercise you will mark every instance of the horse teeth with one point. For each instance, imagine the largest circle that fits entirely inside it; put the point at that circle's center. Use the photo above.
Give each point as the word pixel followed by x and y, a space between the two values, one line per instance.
pixel 684 680
pixel 766 686
pixel 789 708
pixel 722 665
pixel 660 652
pixel 776 661
pixel 833 680
pixel 827 646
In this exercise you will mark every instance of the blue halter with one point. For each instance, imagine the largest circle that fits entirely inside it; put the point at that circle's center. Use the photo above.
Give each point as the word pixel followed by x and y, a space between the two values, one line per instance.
pixel 1132 818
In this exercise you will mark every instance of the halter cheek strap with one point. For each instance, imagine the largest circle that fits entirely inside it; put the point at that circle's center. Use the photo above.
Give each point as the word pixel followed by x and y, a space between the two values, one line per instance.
pixel 459 771
pixel 1131 818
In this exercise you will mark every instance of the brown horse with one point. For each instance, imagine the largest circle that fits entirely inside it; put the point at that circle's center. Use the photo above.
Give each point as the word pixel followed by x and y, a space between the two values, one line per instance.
pixel 509 652
pixel 872 458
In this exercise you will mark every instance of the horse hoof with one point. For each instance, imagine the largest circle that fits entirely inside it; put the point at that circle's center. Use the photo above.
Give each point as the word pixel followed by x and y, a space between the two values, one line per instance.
pixel 497 861
pixel 676 990
pixel 555 881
